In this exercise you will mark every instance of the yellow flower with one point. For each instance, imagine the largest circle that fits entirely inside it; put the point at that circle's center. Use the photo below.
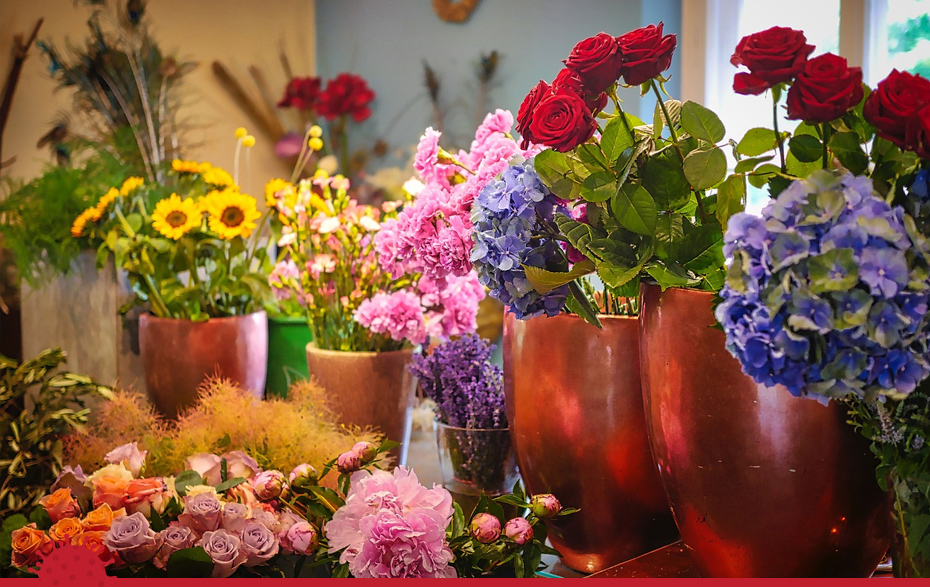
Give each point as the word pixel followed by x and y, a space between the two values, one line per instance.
pixel 271 188
pixel 248 141
pixel 174 217
pixel 77 228
pixel 241 132
pixel 232 214
pixel 315 131
pixel 107 199
pixel 130 184
pixel 218 177
pixel 315 144
pixel 185 166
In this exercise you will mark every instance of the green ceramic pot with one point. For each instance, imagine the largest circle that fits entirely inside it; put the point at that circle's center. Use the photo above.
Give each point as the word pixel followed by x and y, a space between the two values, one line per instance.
pixel 287 354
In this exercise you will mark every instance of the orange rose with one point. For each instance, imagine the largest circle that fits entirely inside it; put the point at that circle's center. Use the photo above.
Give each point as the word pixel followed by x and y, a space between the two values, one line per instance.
pixel 66 530
pixel 61 505
pixel 110 485
pixel 29 546
pixel 93 540
pixel 101 518
pixel 140 492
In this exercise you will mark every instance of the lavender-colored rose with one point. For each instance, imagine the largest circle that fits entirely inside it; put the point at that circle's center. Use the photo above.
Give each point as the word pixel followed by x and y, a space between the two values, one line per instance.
pixel 302 538
pixel 131 538
pixel 202 512
pixel 224 549
pixel 234 517
pixel 129 456
pixel 303 475
pixel 258 543
pixel 172 539
pixel 486 528
pixel 268 485
pixel 73 479
pixel 264 517
pixel 518 530
pixel 348 462
pixel 545 505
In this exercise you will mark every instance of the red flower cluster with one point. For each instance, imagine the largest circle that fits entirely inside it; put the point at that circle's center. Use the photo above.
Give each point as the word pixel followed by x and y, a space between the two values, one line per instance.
pixel 899 109
pixel 562 115
pixel 346 94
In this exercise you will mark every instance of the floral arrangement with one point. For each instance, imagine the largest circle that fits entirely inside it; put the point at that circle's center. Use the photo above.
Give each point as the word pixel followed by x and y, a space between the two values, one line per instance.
pixel 224 516
pixel 190 246
pixel 330 264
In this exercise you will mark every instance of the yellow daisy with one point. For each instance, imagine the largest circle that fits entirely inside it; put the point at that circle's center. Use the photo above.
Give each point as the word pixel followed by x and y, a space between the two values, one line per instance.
pixel 174 217
pixel 182 166
pixel 217 176
pixel 130 184
pixel 107 199
pixel 232 214
pixel 271 188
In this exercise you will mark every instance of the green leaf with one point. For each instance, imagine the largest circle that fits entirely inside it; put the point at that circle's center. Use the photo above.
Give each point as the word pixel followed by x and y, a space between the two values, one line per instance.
pixel 635 209
pixel 664 179
pixel 745 165
pixel 916 530
pixel 458 520
pixel 806 148
pixel 230 483
pixel 757 141
pixel 669 276
pixel 187 479
pixel 763 174
pixel 701 123
pixel 615 139
pixel 545 281
pixel 190 563
pixel 705 168
pixel 846 147
pixel 669 232
pixel 134 221
pixel 555 170
pixel 599 187
pixel 731 197
pixel 579 304
pixel 702 249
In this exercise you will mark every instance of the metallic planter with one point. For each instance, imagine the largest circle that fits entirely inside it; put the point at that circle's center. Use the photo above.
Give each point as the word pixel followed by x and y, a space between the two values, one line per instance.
pixel 177 355
pixel 369 389
pixel 763 484
pixel 576 415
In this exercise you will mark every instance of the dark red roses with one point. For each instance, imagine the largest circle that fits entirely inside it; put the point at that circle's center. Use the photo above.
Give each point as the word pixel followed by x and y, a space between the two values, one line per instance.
pixel 568 80
pixel 562 121
pixel 918 133
pixel 596 61
pixel 348 94
pixel 892 107
pixel 772 56
pixel 825 89
pixel 646 54
pixel 525 115
pixel 301 93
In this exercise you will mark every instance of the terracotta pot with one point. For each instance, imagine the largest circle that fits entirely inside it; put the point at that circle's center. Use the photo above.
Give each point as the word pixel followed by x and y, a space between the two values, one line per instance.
pixel 177 355
pixel 576 415
pixel 763 484
pixel 369 389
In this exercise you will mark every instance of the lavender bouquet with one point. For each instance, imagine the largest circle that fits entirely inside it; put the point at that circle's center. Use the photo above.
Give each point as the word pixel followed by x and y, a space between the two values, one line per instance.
pixel 468 391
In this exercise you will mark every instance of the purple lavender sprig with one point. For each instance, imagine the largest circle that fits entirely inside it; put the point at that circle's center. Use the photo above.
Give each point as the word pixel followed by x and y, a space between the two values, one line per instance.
pixel 467 388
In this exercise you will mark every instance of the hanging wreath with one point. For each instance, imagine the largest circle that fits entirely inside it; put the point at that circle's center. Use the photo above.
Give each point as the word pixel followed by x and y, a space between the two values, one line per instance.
pixel 457 11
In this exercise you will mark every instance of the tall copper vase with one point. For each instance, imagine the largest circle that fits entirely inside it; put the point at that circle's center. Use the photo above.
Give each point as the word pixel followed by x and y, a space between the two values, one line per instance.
pixel 576 417
pixel 763 484
pixel 369 389
pixel 177 355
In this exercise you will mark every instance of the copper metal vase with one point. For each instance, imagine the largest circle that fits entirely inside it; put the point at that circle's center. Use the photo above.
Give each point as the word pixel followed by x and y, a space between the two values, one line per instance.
pixel 576 415
pixel 763 484
pixel 369 389
pixel 177 355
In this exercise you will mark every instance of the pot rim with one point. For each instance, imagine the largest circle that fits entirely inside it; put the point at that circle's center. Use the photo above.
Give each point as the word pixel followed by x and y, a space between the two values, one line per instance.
pixel 567 316
pixel 148 316
pixel 311 347
pixel 290 320
pixel 438 424
pixel 679 290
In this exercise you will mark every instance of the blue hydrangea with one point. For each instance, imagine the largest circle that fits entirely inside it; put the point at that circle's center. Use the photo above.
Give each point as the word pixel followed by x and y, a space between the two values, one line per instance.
pixel 827 292
pixel 507 216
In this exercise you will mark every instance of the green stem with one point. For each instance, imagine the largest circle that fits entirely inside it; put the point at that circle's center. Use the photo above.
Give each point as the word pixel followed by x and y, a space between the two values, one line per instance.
pixel 778 137
pixel 825 131
pixel 619 110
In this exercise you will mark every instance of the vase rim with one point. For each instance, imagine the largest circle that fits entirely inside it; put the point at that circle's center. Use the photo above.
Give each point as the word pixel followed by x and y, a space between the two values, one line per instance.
pixel 437 422
pixel 311 347
pixel 679 290
pixel 149 316
pixel 290 320
pixel 567 316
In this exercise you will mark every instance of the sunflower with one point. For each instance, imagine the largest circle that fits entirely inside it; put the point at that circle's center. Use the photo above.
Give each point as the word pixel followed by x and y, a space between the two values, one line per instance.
pixel 107 199
pixel 174 217
pixel 232 214
pixel 130 184
pixel 91 214
pixel 182 166
pixel 273 187
pixel 217 176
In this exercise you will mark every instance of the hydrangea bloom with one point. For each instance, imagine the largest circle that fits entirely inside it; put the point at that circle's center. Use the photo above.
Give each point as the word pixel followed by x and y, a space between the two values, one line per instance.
pixel 827 293
pixel 391 526
pixel 507 218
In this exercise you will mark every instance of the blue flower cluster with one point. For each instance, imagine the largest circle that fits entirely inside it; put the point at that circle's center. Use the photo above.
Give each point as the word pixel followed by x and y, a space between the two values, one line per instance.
pixel 827 292
pixel 506 217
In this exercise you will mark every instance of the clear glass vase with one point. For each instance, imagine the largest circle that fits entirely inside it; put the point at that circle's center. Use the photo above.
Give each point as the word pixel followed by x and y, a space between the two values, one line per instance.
pixel 473 461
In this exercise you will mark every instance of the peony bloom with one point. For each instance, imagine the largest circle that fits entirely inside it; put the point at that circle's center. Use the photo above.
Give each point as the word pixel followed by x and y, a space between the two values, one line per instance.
pixel 202 512
pixel 131 538
pixel 172 539
pixel 518 530
pixel 302 538
pixel 101 518
pixel 29 546
pixel 60 505
pixel 268 485
pixel 303 475
pixel 259 544
pixel 545 505
pixel 485 527
pixel 366 451
pixel 348 462
pixel 391 526
pixel 224 549
pixel 129 456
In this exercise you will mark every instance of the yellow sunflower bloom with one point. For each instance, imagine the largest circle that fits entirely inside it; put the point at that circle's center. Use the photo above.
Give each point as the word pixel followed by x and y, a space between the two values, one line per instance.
pixel 77 229
pixel 217 176
pixel 271 188
pixel 130 184
pixel 232 214
pixel 107 199
pixel 182 166
pixel 174 217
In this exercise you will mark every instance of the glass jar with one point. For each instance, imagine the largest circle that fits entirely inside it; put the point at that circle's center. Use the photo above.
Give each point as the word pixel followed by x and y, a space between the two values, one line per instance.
pixel 473 461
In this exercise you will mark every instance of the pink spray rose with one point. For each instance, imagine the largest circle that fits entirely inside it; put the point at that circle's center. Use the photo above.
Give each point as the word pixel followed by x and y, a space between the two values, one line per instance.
pixel 131 538
pixel 224 549
pixel 129 456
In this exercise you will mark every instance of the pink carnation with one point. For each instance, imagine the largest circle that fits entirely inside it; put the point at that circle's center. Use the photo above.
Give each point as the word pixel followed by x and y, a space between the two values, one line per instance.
pixel 398 314
pixel 391 526
pixel 452 304
pixel 426 161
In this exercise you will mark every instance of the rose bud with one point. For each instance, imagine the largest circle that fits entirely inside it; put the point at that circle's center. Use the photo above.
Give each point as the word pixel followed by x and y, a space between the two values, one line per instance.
pixel 303 475
pixel 268 485
pixel 348 462
pixel 518 530
pixel 486 528
pixel 545 505
pixel 366 451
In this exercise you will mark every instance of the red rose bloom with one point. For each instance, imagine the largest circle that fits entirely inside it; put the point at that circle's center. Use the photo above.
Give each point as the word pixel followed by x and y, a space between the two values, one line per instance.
pixel 346 93
pixel 646 54
pixel 301 93
pixel 772 56
pixel 825 89
pixel 525 114
pixel 596 61
pixel 567 80
pixel 894 103
pixel 562 121
pixel 918 133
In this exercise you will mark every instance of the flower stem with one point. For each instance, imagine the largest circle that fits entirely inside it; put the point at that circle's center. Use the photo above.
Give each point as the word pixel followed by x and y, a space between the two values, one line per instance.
pixel 778 137
pixel 825 131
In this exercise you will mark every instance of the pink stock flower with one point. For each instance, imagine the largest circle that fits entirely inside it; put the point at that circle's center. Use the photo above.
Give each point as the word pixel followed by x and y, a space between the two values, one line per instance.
pixel 398 314
pixel 391 526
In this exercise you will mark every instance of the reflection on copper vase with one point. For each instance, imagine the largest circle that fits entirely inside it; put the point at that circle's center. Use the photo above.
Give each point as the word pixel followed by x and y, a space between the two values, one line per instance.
pixel 369 389
pixel 576 415
pixel 763 484
pixel 177 355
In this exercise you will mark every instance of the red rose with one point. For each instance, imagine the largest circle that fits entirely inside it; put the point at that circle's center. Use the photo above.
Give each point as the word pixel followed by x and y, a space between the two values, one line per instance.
pixel 525 114
pixel 918 133
pixel 772 56
pixel 824 90
pixel 596 61
pixel 562 121
pixel 894 103
pixel 568 80
pixel 646 54
pixel 346 94
pixel 301 93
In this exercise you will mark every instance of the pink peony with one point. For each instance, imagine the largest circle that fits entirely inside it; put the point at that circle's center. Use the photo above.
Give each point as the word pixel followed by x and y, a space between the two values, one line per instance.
pixel 268 485
pixel 302 475
pixel 398 314
pixel 129 456
pixel 518 530
pixel 348 462
pixel 302 538
pixel 391 526
pixel 485 527
pixel 545 505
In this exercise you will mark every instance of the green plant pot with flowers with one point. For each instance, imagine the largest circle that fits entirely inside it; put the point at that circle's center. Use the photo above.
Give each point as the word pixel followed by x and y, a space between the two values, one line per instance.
pixel 191 247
